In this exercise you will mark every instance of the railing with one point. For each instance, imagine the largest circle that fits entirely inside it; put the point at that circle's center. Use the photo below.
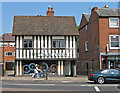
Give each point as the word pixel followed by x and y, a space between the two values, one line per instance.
pixel 32 53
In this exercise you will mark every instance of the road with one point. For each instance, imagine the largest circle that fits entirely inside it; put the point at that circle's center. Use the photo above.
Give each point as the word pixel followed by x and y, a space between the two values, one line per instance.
pixel 13 85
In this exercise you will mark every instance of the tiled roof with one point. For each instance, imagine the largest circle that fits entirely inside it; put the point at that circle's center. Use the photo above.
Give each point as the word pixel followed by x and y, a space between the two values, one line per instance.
pixel 44 25
pixel 108 12
pixel 7 37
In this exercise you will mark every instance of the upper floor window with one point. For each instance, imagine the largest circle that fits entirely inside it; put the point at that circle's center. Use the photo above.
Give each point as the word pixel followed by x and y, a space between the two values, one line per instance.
pixel 86 27
pixel 86 46
pixel 113 22
pixel 3 44
pixel 114 42
pixel 58 43
pixel 27 43
pixel 12 44
pixel 8 53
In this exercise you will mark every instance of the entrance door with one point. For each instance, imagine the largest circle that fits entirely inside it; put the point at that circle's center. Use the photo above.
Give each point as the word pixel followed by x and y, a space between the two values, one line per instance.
pixel 111 64
pixel 67 68
pixel 9 65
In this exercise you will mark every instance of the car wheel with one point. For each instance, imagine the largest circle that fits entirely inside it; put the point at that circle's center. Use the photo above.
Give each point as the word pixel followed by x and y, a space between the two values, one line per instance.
pixel 101 80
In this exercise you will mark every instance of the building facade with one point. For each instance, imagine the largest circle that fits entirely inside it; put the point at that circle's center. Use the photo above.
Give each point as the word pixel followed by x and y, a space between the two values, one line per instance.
pixel 49 41
pixel 99 40
pixel 7 50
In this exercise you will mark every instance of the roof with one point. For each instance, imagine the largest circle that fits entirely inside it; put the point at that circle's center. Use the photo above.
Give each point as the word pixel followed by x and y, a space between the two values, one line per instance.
pixel 87 16
pixel 108 12
pixel 44 25
pixel 7 37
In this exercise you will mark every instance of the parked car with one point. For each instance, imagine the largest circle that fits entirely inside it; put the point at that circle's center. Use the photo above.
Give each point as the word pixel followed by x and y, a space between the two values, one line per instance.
pixel 103 76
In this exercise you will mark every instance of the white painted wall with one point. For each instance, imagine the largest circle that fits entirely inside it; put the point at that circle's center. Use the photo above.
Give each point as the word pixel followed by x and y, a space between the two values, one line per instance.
pixel 70 53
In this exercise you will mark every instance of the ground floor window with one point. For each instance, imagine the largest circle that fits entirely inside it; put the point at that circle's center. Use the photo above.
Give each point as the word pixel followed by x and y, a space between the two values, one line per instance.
pixel 110 62
pixel 10 65
pixel 29 67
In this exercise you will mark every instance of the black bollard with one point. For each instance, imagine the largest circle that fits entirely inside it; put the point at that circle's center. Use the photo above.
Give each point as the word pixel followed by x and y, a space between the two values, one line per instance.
pixel 46 75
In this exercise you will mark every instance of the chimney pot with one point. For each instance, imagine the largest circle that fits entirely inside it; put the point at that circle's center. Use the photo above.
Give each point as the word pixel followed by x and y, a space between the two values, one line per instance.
pixel 106 6
pixel 50 13
pixel 51 9
pixel 48 8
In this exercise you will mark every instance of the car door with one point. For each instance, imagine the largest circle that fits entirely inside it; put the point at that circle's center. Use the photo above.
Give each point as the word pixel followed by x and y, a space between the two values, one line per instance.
pixel 106 74
pixel 114 74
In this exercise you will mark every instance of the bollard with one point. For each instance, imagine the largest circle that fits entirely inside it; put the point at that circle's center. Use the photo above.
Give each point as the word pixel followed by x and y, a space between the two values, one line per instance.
pixel 46 75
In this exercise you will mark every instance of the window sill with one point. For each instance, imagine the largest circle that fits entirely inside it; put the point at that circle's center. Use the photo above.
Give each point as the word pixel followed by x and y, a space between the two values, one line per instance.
pixel 114 27
pixel 114 48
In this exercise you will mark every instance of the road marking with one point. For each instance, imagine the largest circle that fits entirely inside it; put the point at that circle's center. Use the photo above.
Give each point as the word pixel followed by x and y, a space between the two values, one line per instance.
pixel 97 89
pixel 84 85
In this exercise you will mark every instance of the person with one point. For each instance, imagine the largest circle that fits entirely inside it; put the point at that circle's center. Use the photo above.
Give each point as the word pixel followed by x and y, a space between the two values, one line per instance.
pixel 37 71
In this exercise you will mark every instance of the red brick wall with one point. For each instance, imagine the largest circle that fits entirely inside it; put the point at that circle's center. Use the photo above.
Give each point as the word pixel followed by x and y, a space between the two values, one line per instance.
pixel 97 37
pixel 104 32
pixel 7 58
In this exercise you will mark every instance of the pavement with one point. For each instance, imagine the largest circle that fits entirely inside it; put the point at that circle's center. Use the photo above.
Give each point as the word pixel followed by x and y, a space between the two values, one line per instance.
pixel 50 78
pixel 54 78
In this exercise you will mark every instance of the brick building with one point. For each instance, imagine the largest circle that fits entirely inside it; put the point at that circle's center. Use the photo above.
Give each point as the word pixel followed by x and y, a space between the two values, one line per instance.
pixel 7 45
pixel 49 41
pixel 99 43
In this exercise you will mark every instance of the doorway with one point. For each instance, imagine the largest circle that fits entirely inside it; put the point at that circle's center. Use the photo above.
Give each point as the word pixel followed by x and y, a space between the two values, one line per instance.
pixel 9 65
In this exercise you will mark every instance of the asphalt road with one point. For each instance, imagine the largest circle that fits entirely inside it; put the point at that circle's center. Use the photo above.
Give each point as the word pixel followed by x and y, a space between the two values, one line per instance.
pixel 11 85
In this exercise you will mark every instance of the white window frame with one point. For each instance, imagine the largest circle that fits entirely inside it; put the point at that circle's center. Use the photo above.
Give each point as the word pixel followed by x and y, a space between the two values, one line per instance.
pixel 1 43
pixel 110 42
pixel 113 26
pixel 58 40
pixel 86 46
pixel 6 54
pixel 13 44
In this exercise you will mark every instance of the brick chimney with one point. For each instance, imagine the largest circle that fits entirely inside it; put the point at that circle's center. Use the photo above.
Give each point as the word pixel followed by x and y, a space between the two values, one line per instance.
pixel 50 12
pixel 95 8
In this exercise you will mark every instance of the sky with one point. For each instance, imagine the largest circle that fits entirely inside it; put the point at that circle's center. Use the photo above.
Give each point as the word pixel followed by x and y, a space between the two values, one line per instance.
pixel 10 9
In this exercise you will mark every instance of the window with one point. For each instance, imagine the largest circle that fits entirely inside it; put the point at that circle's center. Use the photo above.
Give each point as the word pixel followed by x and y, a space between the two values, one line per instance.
pixel 114 42
pixel 113 71
pixel 1 44
pixel 86 27
pixel 27 43
pixel 58 43
pixel 105 72
pixel 12 44
pixel 113 22
pixel 8 53
pixel 86 46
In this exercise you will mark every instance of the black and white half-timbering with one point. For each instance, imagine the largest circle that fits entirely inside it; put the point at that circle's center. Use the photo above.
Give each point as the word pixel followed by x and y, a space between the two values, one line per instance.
pixel 49 41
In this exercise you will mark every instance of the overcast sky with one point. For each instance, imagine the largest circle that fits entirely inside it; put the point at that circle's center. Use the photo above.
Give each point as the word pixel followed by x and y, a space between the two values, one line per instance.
pixel 10 9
